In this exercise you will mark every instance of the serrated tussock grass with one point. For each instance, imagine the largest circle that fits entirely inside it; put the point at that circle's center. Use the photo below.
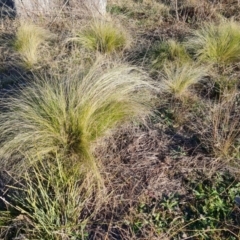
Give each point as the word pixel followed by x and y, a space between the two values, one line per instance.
pixel 68 114
pixel 217 43
pixel 52 201
pixel 170 50
pixel 178 79
pixel 29 37
pixel 104 37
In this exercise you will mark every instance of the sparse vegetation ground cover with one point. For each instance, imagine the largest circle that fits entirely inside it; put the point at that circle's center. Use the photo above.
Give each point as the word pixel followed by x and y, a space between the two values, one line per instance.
pixel 124 126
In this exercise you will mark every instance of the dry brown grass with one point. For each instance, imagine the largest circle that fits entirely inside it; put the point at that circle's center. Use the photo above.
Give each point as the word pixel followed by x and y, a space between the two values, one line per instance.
pixel 219 129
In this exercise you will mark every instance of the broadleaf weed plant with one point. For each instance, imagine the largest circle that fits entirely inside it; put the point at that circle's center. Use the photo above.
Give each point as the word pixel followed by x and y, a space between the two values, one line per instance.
pixel 208 213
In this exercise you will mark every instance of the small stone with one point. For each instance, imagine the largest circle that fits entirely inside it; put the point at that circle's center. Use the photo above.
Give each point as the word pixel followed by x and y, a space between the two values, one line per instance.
pixel 237 200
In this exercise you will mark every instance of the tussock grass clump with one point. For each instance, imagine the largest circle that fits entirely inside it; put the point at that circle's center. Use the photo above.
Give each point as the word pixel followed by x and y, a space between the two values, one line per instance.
pixel 170 50
pixel 29 38
pixel 103 36
pixel 52 201
pixel 178 80
pixel 217 43
pixel 67 115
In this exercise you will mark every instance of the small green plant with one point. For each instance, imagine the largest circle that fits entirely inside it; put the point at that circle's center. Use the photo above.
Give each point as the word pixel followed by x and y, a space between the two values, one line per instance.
pixel 178 152
pixel 214 207
pixel 103 36
pixel 170 50
pixel 29 38
pixel 157 214
pixel 169 202
pixel 209 212
pixel 217 43
pixel 166 117
pixel 178 79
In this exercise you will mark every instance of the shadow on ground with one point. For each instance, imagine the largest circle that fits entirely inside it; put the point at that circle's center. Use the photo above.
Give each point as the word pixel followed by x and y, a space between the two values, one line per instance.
pixel 7 8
